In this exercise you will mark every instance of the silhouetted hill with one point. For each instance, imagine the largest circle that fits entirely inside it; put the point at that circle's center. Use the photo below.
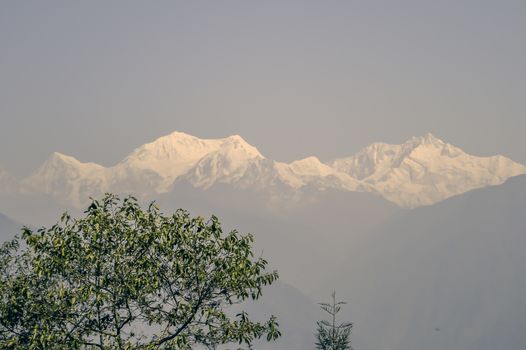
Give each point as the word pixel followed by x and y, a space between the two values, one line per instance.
pixel 449 276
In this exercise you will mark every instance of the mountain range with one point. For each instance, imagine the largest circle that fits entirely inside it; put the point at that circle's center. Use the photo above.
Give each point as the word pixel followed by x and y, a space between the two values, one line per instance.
pixel 421 171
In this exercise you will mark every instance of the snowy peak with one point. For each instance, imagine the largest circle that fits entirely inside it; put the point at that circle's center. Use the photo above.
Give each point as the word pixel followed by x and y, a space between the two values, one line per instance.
pixel 425 170
pixel 67 179
pixel 170 155
pixel 378 158
pixel 228 164
pixel 68 166
pixel 150 169
pixel 368 161
pixel 311 166
pixel 427 147
pixel 180 146
pixel 173 155
pixel 236 145
pixel 425 140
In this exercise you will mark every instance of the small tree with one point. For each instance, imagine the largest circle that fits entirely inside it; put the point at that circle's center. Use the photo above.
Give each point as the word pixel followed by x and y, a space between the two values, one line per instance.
pixel 330 335
pixel 126 278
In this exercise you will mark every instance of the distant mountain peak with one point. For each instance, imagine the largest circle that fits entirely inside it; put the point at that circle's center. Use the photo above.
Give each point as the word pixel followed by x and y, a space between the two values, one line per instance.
pixel 311 166
pixel 236 138
pixel 426 139
pixel 59 160
pixel 236 143
pixel 180 134
pixel 308 160
pixel 57 156
pixel 424 170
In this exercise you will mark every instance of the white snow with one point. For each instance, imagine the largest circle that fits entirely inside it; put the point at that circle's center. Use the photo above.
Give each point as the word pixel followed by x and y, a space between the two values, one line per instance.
pixel 425 170
pixel 67 179
pixel 421 171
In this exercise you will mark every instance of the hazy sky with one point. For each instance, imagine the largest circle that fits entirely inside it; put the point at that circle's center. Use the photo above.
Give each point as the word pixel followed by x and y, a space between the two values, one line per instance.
pixel 94 79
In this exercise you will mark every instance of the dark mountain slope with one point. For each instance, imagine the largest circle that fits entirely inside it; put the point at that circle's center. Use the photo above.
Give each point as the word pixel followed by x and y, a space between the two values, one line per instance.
pixel 449 276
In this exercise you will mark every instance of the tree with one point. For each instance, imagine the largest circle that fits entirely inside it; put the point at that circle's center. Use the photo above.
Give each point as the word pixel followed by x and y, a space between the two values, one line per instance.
pixel 126 278
pixel 330 335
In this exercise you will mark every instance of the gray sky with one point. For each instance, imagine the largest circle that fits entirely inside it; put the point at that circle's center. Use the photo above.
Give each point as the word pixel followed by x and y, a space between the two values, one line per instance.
pixel 95 79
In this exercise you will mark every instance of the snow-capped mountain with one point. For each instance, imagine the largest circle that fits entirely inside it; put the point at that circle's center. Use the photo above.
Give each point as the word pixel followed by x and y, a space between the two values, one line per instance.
pixel 425 170
pixel 174 155
pixel 67 180
pixel 227 164
pixel 421 171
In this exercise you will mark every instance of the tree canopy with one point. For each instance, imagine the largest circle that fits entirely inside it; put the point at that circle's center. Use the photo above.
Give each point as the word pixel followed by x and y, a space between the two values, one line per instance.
pixel 123 277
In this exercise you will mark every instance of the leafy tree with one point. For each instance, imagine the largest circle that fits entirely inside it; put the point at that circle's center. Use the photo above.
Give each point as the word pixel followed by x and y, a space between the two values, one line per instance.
pixel 330 335
pixel 126 278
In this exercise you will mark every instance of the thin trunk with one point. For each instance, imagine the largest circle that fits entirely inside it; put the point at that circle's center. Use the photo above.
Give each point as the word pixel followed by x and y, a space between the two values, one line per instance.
pixel 333 319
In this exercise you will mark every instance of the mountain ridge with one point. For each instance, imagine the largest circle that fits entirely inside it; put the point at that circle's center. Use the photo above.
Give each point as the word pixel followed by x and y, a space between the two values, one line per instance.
pixel 421 171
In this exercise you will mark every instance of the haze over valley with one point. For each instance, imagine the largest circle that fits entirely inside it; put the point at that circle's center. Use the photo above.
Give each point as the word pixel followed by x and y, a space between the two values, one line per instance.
pixel 402 231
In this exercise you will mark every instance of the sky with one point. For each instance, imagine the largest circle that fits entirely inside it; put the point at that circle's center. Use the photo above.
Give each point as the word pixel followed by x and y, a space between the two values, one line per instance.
pixel 95 79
